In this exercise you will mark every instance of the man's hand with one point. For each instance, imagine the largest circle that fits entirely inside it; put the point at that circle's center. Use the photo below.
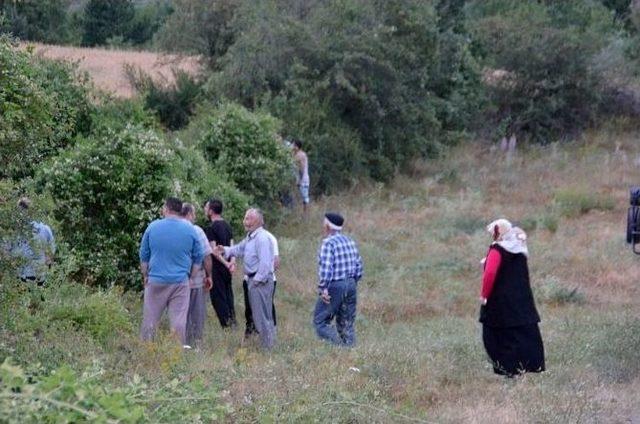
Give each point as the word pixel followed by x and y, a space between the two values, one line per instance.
pixel 208 283
pixel 232 267
pixel 145 280
pixel 324 295
pixel 483 300
pixel 276 263
pixel 219 250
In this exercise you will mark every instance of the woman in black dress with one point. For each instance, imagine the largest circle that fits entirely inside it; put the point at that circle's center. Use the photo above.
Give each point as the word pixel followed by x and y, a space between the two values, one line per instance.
pixel 508 313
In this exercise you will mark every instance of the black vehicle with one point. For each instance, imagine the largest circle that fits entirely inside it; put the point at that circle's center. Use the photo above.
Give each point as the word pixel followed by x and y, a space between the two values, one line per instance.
pixel 633 219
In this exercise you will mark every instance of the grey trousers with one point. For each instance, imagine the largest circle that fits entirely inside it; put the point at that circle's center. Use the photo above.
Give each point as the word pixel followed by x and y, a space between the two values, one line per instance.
pixel 196 315
pixel 261 301
pixel 157 298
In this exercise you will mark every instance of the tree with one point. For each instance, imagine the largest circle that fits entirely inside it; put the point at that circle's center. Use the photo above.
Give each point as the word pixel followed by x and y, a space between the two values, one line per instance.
pixel 104 19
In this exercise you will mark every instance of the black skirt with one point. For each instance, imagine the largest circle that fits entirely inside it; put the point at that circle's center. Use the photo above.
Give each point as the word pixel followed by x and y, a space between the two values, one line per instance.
pixel 514 350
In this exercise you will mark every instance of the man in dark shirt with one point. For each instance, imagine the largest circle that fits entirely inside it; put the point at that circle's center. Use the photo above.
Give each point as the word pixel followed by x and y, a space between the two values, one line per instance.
pixel 219 232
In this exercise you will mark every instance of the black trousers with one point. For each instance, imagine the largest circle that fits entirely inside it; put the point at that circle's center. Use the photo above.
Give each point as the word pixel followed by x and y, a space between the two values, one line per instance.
pixel 248 315
pixel 221 294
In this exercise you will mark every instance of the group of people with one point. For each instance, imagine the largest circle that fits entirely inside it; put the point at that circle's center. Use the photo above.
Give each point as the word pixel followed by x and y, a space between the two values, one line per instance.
pixel 180 261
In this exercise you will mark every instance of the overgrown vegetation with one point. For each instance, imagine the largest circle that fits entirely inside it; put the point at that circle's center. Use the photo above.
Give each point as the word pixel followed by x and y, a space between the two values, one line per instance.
pixel 373 88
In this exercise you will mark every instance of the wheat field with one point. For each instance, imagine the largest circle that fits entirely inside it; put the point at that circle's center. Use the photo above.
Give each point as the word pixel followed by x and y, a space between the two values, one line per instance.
pixel 107 66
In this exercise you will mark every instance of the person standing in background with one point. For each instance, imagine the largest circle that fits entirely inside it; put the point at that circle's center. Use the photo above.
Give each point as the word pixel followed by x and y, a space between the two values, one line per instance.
pixel 200 284
pixel 35 249
pixel 219 233
pixel 302 174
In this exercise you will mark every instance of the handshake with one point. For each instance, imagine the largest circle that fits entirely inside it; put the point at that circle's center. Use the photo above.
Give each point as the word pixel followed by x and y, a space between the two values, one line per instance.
pixel 218 253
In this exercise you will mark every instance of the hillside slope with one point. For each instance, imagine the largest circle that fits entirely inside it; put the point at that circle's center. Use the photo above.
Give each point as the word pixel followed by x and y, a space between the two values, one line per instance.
pixel 419 356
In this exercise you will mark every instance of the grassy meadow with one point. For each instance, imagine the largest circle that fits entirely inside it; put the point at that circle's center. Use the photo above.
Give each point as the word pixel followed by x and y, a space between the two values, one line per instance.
pixel 419 356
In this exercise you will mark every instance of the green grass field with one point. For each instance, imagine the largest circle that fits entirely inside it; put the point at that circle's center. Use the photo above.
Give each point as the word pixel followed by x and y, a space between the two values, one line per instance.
pixel 419 356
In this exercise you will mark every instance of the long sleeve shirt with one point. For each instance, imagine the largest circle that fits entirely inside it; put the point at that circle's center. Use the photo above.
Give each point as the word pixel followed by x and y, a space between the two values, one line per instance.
pixel 338 259
pixel 491 266
pixel 170 246
pixel 34 252
pixel 257 253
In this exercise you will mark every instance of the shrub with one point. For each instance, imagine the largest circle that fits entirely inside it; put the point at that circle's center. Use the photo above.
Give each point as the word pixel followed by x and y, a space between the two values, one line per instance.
pixel 147 19
pixel 42 107
pixel 173 104
pixel 116 114
pixel 104 19
pixel 334 150
pixel 106 191
pixel 391 83
pixel 244 146
pixel 43 20
pixel 545 86
pixel 65 395
pixel 101 314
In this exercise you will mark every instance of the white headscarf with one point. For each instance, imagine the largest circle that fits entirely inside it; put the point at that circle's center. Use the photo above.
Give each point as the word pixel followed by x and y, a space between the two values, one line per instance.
pixel 510 238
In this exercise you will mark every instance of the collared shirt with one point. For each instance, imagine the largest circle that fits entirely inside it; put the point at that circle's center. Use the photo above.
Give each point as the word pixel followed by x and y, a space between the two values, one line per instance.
pixel 34 252
pixel 170 246
pixel 257 251
pixel 198 280
pixel 338 259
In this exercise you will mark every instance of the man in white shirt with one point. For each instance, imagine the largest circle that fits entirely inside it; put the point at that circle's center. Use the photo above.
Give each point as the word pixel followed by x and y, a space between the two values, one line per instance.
pixel 248 315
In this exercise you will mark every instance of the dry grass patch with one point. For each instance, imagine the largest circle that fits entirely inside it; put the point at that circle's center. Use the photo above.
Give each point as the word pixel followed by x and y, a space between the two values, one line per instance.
pixel 107 67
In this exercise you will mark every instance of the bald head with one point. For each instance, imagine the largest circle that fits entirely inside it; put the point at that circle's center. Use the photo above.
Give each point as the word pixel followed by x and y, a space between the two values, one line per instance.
pixel 253 219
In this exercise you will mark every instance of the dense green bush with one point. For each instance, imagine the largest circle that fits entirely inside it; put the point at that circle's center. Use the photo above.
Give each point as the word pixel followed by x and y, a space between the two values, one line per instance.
pixel 202 27
pixel 104 19
pixel 147 20
pixel 391 80
pixel 245 147
pixel 46 21
pixel 336 159
pixel 106 190
pixel 541 77
pixel 43 105
pixel 115 114
pixel 172 103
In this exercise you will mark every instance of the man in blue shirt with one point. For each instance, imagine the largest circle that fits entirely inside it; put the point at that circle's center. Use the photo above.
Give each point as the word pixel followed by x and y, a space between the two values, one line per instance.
pixel 170 254
pixel 339 270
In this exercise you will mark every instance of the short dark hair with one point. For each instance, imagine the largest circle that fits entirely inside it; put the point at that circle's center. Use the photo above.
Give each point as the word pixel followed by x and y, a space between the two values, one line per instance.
pixel 215 205
pixel 187 208
pixel 173 204
pixel 297 143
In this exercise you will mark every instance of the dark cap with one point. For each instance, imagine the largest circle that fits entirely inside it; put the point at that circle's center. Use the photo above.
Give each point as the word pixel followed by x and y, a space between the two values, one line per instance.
pixel 334 218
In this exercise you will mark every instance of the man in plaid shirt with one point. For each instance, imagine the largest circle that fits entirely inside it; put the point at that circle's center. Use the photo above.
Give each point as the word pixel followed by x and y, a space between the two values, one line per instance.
pixel 339 270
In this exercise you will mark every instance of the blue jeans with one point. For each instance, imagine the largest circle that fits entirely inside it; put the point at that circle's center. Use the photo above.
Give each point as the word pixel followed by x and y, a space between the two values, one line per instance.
pixel 342 307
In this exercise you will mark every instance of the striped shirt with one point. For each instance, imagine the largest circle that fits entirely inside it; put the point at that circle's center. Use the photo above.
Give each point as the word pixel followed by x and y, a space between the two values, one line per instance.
pixel 338 259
